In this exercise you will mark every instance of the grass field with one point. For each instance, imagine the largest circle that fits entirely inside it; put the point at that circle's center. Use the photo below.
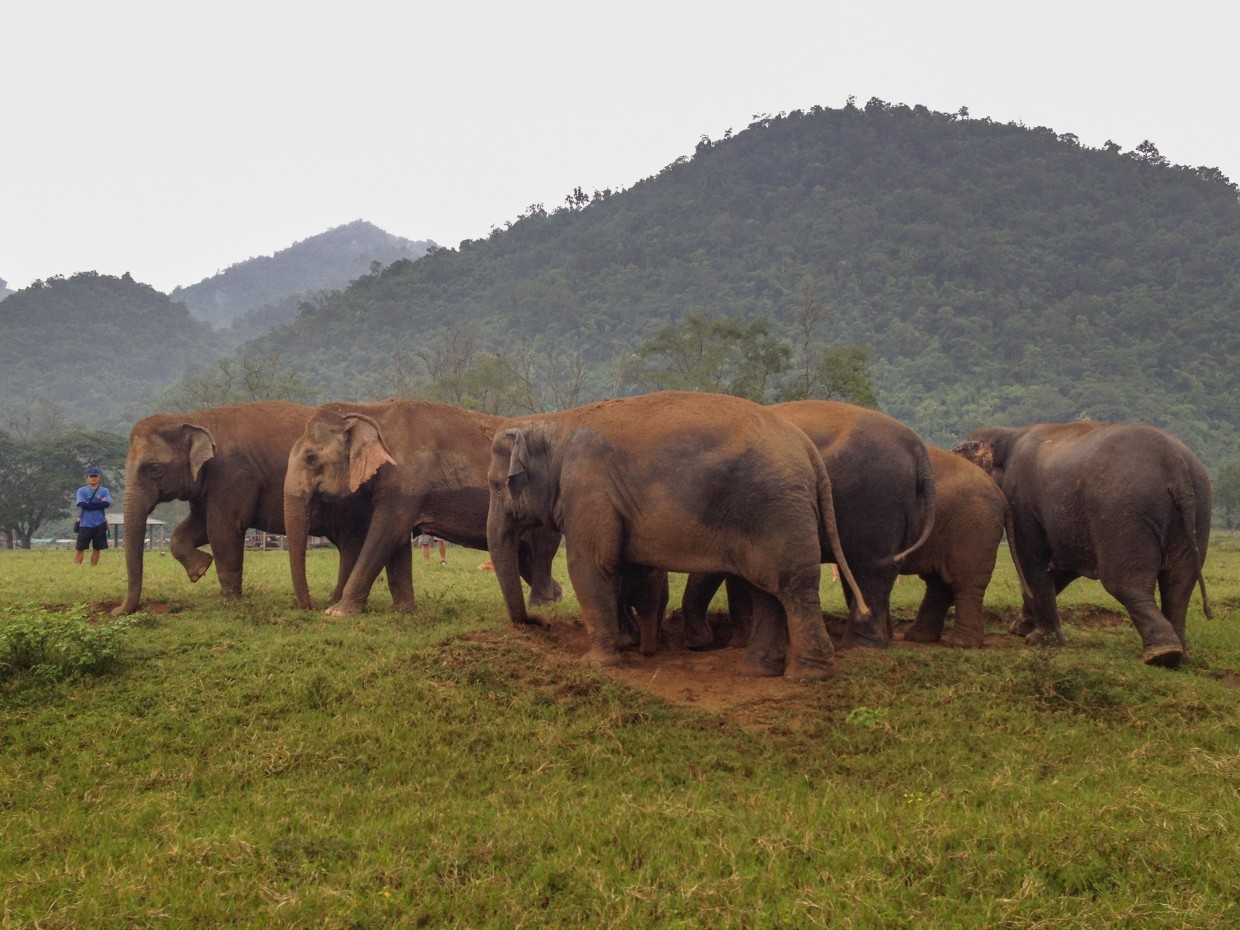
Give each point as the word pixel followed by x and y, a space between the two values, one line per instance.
pixel 245 764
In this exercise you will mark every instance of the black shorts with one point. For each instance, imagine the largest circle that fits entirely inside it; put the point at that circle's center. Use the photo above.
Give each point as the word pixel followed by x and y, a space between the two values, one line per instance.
pixel 96 535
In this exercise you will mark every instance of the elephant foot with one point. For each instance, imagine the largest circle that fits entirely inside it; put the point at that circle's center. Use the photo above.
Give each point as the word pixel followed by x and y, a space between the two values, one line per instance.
pixel 922 634
pixel 605 658
pixel 403 606
pixel 196 565
pixel 963 639
pixel 700 639
pixel 854 639
pixel 534 620
pixel 124 609
pixel 1163 656
pixel 1045 638
pixel 808 669
pixel 543 599
pixel 762 668
pixel 344 609
pixel 1021 626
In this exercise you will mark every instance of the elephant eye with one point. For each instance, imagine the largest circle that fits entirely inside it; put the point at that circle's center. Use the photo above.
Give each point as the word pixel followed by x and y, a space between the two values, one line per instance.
pixel 311 459
pixel 153 469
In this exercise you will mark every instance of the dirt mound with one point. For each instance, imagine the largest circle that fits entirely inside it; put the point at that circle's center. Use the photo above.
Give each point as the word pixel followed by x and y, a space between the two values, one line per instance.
pixel 710 680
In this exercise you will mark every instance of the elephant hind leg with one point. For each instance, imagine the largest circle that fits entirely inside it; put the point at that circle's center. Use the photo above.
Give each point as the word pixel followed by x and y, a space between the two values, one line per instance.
pixel 1161 644
pixel 928 627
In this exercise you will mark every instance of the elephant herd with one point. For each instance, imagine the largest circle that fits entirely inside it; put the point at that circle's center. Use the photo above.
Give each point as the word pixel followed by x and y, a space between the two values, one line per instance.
pixel 720 488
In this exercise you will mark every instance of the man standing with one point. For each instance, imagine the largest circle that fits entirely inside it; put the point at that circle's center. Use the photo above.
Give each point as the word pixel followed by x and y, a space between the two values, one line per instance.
pixel 93 501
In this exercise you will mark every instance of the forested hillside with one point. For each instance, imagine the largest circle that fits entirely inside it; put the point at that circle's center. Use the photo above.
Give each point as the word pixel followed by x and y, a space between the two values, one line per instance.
pixel 998 273
pixel 98 346
pixel 270 288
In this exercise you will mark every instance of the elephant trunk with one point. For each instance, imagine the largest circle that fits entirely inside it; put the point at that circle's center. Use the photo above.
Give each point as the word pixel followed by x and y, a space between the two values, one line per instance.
pixel 138 506
pixel 297 529
pixel 502 542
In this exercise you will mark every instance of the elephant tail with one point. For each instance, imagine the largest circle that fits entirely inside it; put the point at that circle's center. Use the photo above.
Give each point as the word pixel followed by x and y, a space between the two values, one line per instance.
pixel 1185 500
pixel 1009 530
pixel 826 510
pixel 926 498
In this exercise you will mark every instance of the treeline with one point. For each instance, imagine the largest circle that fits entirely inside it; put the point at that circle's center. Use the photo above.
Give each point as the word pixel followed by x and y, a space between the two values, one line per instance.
pixel 993 273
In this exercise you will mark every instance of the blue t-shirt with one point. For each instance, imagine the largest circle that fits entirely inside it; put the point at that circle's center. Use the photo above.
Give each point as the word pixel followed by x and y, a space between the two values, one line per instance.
pixel 94 509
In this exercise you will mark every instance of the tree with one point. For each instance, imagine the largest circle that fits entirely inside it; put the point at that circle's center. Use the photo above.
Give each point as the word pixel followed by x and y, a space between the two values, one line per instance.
pixel 723 356
pixel 838 373
pixel 251 374
pixel 40 473
pixel 1227 493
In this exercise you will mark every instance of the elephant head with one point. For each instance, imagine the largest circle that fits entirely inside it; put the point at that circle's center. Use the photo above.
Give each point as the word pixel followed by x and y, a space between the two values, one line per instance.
pixel 989 447
pixel 166 460
pixel 331 461
pixel 520 480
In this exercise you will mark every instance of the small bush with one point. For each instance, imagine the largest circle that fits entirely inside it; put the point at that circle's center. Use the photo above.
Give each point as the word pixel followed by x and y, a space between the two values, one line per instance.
pixel 55 646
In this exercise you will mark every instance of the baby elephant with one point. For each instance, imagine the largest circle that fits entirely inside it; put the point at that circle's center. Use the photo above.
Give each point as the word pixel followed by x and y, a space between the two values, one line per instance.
pixel 1126 504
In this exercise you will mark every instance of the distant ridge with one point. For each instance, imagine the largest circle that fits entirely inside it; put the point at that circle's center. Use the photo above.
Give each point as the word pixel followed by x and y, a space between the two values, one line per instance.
pixel 272 286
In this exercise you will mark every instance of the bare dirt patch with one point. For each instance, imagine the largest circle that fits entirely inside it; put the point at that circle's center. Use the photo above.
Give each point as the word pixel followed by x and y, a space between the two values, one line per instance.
pixel 713 680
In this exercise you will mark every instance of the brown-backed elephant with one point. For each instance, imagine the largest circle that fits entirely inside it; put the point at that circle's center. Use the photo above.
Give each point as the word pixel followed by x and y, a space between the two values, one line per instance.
pixel 419 467
pixel 1126 504
pixel 679 482
pixel 883 491
pixel 958 558
pixel 228 463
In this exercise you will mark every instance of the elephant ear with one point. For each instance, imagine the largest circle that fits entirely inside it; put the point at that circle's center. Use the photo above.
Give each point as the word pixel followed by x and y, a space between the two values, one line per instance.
pixel 981 454
pixel 200 447
pixel 518 461
pixel 368 451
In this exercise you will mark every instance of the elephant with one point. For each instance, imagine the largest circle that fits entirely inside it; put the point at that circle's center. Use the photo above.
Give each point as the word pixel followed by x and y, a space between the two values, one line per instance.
pixel 883 491
pixel 675 481
pixel 1126 504
pixel 958 558
pixel 228 462
pixel 642 600
pixel 419 467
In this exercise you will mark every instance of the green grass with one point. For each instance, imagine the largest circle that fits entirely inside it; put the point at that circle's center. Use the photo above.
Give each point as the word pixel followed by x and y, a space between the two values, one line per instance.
pixel 245 764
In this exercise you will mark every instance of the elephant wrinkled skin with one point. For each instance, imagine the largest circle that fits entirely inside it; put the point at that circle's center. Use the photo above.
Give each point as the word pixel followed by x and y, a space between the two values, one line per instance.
pixel 228 463
pixel 677 482
pixel 958 558
pixel 1126 504
pixel 883 491
pixel 421 467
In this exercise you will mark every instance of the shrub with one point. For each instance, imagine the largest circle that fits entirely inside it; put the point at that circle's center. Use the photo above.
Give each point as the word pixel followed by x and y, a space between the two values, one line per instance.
pixel 53 645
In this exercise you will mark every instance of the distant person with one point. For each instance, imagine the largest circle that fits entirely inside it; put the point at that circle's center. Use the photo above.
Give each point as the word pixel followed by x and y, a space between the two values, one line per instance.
pixel 426 541
pixel 93 500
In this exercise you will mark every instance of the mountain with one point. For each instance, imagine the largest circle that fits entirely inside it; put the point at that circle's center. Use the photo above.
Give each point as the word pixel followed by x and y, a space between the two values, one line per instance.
pixel 269 289
pixel 997 273
pixel 98 346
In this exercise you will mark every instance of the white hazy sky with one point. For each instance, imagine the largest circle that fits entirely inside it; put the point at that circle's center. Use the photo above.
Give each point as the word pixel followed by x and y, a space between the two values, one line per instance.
pixel 171 140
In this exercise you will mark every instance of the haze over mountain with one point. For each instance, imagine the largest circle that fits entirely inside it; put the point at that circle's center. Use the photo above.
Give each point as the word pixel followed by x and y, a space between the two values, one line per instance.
pixel 993 272
pixel 272 286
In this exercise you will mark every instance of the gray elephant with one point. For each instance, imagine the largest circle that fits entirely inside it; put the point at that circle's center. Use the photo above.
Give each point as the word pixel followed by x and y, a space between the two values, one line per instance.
pixel 883 491
pixel 678 482
pixel 1126 504
pixel 956 562
pixel 228 463
pixel 416 466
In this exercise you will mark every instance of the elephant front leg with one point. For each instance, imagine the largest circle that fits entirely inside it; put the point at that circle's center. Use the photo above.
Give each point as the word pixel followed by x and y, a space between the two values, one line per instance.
pixel 597 587
pixel 375 553
pixel 694 606
pixel 1039 618
pixel 189 534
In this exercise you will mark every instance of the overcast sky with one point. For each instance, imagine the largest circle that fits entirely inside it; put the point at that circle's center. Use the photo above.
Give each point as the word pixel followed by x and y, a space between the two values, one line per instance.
pixel 172 140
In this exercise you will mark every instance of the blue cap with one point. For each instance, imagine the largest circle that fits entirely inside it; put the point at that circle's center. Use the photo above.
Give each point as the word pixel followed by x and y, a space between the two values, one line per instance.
pixel 92 472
